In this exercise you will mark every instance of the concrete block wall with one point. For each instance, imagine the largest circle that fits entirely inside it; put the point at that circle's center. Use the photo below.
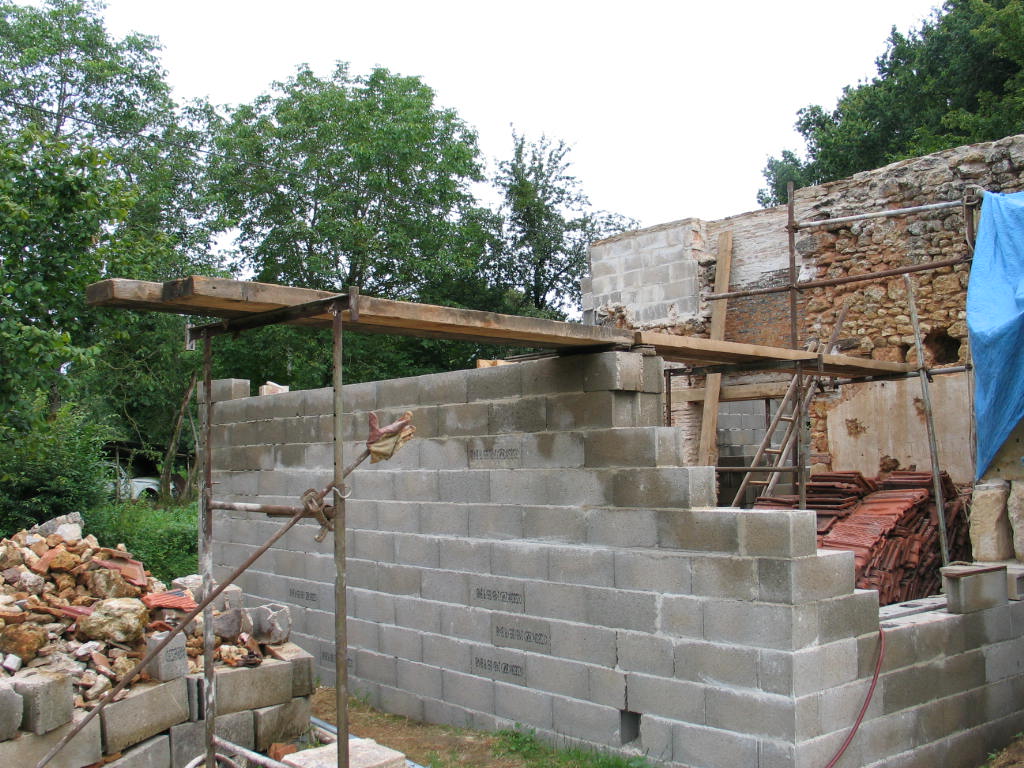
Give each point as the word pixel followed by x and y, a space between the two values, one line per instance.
pixel 537 556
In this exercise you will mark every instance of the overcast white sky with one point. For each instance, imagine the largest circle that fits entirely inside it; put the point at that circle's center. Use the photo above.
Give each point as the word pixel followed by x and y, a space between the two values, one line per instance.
pixel 671 108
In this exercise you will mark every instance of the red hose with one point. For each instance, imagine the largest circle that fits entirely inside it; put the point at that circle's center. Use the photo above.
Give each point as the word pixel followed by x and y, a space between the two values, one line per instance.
pixel 867 700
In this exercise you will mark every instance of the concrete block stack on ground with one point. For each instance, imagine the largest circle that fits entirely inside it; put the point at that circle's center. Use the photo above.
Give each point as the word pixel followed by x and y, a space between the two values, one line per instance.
pixel 539 555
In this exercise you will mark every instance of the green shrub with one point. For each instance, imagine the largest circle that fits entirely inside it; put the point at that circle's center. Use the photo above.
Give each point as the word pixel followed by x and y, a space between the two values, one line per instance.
pixel 50 467
pixel 165 539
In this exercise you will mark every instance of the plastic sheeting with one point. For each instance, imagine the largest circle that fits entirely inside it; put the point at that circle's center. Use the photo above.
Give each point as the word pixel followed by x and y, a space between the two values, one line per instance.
pixel 995 320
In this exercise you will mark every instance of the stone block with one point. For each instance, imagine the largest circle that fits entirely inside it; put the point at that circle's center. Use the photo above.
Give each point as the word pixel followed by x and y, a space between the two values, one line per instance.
pixel 271 623
pixel 172 662
pixel 974 588
pixel 147 710
pixel 281 722
pixel 362 753
pixel 152 753
pixel 253 687
pixel 991 536
pixel 27 749
pixel 301 663
pixel 11 705
pixel 189 739
pixel 47 701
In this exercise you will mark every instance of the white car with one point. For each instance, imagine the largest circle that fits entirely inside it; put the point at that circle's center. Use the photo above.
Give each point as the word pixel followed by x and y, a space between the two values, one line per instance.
pixel 133 488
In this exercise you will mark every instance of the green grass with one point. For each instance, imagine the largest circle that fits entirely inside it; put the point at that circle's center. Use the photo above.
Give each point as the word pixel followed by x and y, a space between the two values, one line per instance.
pixel 524 744
pixel 165 539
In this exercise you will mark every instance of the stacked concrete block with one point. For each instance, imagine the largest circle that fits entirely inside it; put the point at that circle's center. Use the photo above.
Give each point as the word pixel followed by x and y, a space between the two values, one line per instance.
pixel 539 555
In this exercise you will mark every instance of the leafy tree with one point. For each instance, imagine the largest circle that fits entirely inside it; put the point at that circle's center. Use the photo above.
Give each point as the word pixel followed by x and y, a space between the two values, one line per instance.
pixel 549 227
pixel 959 79
pixel 346 180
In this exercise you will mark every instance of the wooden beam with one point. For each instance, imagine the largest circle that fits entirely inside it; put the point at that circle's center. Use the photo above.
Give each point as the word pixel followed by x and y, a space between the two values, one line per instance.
pixel 707 450
pixel 734 392
pixel 219 297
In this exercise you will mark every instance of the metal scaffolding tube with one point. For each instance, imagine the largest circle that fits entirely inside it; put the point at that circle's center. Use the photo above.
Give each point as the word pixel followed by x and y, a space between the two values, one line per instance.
pixel 206 553
pixel 878 214
pixel 340 606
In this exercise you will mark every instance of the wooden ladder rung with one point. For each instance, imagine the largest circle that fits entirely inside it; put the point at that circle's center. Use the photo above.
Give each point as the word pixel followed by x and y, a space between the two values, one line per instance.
pixel 758 482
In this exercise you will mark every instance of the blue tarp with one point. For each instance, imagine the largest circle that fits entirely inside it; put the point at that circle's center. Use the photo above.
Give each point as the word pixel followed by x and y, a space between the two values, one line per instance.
pixel 995 320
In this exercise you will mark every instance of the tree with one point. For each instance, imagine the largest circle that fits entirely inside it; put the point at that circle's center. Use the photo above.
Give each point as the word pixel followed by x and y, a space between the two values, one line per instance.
pixel 959 79
pixel 347 180
pixel 549 226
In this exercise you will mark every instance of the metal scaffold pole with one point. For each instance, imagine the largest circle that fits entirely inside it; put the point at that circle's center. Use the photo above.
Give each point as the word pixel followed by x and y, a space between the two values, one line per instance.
pixel 340 603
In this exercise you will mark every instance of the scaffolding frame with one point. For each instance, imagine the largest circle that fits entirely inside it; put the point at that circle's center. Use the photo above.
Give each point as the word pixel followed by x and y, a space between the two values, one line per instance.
pixel 801 446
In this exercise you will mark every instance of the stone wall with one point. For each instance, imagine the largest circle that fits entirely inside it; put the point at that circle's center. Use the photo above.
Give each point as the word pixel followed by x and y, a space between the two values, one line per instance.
pixel 878 323
pixel 537 555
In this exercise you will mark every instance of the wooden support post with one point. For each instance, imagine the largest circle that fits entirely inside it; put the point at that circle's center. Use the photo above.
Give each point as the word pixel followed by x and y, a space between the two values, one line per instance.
pixel 707 454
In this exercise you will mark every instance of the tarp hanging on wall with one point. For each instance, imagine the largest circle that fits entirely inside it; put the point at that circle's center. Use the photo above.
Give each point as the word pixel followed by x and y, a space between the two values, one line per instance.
pixel 995 320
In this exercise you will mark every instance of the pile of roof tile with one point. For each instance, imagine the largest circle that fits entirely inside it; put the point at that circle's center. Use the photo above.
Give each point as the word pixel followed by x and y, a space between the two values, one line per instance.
pixel 891 525
pixel 70 605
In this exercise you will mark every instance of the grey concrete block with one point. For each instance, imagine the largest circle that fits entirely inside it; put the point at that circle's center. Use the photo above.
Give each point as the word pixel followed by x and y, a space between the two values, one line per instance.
pixel 681 616
pixel 463 419
pixel 664 572
pixel 645 652
pixel 714 748
pixel 281 722
pixel 554 374
pixel 566 602
pixel 28 748
pixel 1004 660
pixel 471 692
pixel 356 397
pixel 188 740
pixel 493 521
pixel 521 705
pixel 447 653
pixel 583 642
pixel 810 670
pixel 519 559
pixel 468 555
pixel 443 453
pixel 676 699
pixel 553 450
pixel 444 519
pixel 653 374
pixel 417 614
pixel 374 484
pixel 371 606
pixel 829 573
pixel 716 664
pixel 612 371
pixel 500 664
pixel 974 588
pixel 398 516
pixel 702 530
pixel 416 485
pixel 445 587
pixel 761 625
pixel 749 712
pixel 152 753
pixel 495 451
pixel 621 609
pixel 725 577
pixel 449 387
pixel 227 389
pixel 148 710
pixel 399 702
pixel 378 667
pixel 363 634
pixel 302 666
pixel 607 687
pixel 378 546
pixel 10 710
pixel 776 533
pixel 361 574
pixel 394 393
pixel 465 623
pixel 581 565
pixel 848 616
pixel 463 486
pixel 171 662
pixel 499 594
pixel 590 722
pixel 253 687
pixel 526 414
pixel 495 383
pixel 632 447
pixel 513 631
pixel 555 523
pixel 655 738
pixel 622 527
pixel 672 487
pixel 401 642
pixel 421 551
pixel 419 679
pixel 46 699
pixel 399 579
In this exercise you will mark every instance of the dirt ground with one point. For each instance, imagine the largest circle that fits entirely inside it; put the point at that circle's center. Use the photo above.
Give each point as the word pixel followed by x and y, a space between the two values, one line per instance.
pixel 438 746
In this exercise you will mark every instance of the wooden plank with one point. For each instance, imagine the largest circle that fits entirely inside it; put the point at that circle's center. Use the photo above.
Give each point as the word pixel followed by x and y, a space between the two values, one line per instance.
pixel 219 297
pixel 707 450
pixel 735 392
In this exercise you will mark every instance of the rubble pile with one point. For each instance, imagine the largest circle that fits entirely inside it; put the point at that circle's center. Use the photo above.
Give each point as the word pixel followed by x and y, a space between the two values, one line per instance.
pixel 891 525
pixel 70 605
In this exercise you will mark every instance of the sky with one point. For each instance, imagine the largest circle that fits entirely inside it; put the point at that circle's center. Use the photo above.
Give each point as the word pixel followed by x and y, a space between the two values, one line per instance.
pixel 671 108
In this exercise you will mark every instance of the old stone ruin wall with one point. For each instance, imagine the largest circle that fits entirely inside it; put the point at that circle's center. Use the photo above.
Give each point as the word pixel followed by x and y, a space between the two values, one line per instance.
pixel 628 287
pixel 538 556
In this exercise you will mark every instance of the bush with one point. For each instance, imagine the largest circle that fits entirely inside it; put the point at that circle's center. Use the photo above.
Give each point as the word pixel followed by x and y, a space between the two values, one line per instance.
pixel 165 539
pixel 50 467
